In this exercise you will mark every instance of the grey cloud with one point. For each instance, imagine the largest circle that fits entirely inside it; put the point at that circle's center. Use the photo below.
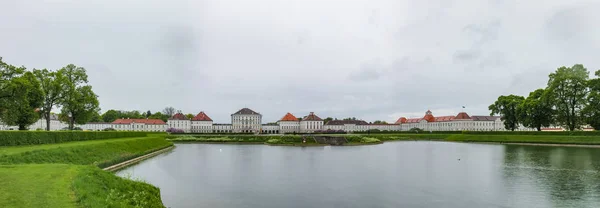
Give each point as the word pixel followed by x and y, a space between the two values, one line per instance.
pixel 466 55
pixel 369 59
pixel 483 33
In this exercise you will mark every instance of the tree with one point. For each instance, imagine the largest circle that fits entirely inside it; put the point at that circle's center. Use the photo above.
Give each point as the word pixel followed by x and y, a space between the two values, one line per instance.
pixel 591 112
pixel 169 111
pixel 51 86
pixel 507 107
pixel 327 120
pixel 379 122
pixel 27 97
pixel 148 113
pixel 110 115
pixel 96 117
pixel 568 89
pixel 189 116
pixel 536 110
pixel 7 73
pixel 159 115
pixel 80 107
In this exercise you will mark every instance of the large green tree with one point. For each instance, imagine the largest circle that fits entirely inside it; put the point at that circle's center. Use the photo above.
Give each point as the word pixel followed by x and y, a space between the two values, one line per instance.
pixel 82 106
pixel 536 110
pixel 110 115
pixel 7 73
pixel 189 116
pixel 591 112
pixel 79 101
pixel 568 89
pixel 27 97
pixel 507 107
pixel 51 85
pixel 159 115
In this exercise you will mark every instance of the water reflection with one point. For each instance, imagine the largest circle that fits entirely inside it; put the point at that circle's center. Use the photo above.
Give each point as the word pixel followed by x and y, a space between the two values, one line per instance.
pixel 394 174
pixel 558 176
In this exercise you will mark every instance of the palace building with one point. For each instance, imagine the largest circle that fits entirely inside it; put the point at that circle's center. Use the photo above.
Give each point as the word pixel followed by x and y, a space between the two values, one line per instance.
pixel 246 120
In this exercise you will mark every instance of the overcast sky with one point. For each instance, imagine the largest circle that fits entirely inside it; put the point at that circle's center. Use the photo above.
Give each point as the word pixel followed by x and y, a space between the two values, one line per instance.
pixel 370 59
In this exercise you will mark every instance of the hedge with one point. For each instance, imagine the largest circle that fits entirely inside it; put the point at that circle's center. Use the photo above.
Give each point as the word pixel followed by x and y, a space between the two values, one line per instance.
pixel 16 138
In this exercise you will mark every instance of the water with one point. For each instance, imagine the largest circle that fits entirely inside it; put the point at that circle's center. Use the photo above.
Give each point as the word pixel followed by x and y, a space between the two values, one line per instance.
pixel 394 174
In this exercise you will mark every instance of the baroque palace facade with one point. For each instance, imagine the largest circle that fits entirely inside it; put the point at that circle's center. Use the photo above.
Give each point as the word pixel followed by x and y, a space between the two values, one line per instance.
pixel 246 120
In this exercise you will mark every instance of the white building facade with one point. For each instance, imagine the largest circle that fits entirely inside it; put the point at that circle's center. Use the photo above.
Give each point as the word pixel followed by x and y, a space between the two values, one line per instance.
pixel 246 121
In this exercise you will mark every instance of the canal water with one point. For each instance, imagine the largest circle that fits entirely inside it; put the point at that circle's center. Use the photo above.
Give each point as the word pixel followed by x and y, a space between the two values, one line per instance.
pixel 393 174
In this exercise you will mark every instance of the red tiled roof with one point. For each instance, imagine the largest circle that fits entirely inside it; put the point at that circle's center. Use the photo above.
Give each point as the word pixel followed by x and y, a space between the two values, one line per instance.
pixel 179 116
pixel 312 117
pixel 414 120
pixel 462 115
pixel 443 118
pixel 201 117
pixel 145 121
pixel 401 120
pixel 429 118
pixel 289 117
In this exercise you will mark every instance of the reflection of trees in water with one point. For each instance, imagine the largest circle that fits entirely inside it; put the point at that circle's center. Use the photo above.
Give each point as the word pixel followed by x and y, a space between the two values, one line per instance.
pixel 566 176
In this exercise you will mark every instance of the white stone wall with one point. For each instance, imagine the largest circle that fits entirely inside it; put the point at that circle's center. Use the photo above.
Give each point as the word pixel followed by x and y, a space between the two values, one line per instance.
pixel 202 126
pixel 222 128
pixel 185 125
pixel 289 126
pixel 246 123
pixel 270 129
pixel 95 126
pixel 310 126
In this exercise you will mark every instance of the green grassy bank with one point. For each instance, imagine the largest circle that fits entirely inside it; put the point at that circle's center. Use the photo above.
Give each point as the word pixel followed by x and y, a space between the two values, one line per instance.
pixel 17 138
pixel 64 186
pixel 101 153
pixel 69 175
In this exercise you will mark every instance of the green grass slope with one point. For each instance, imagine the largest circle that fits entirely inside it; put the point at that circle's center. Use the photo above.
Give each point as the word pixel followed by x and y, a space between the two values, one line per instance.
pixel 101 153
pixel 64 186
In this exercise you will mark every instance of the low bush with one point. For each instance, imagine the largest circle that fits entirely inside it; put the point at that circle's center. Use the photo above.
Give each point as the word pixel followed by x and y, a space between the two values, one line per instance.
pixel 174 131
pixel 16 138
pixel 369 140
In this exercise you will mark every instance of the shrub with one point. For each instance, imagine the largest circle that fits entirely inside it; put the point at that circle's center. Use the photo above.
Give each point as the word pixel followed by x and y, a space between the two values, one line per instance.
pixel 273 141
pixel 108 129
pixel 16 138
pixel 416 130
pixel 369 140
pixel 175 131
pixel 329 131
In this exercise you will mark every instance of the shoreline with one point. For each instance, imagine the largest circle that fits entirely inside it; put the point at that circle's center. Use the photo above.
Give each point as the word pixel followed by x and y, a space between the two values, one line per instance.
pixel 124 164
pixel 282 144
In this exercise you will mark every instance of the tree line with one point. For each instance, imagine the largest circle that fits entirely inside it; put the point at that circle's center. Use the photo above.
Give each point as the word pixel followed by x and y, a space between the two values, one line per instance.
pixel 27 95
pixel 112 115
pixel 571 99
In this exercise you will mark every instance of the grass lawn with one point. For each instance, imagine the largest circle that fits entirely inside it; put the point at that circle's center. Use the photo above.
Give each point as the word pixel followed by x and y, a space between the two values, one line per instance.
pixel 37 186
pixel 7 150
pixel 64 186
pixel 101 153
